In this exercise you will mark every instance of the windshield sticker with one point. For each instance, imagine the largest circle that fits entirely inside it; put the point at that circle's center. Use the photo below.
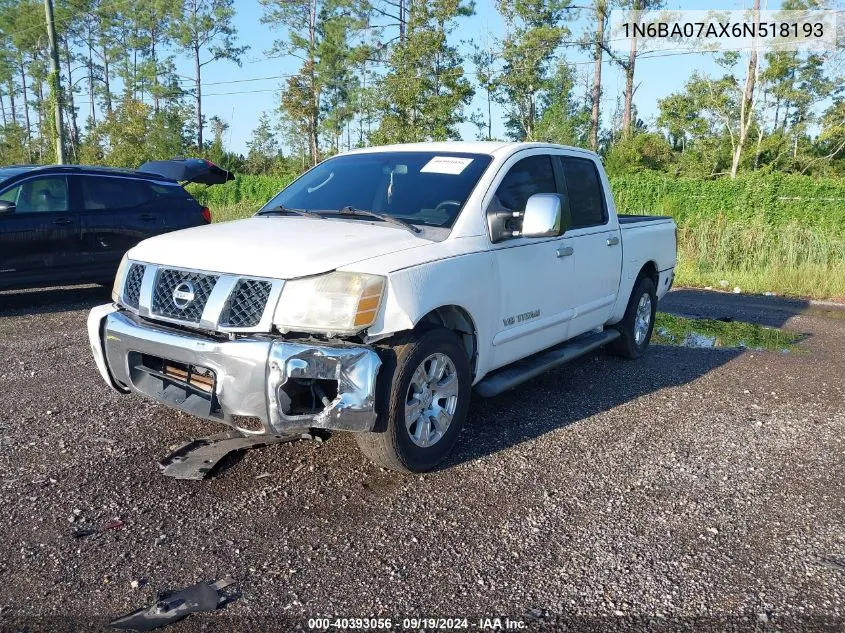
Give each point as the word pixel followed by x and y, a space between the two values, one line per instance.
pixel 445 165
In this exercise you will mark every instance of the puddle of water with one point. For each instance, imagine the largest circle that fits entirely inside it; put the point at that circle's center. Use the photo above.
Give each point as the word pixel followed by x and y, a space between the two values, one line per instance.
pixel 711 334
pixel 694 339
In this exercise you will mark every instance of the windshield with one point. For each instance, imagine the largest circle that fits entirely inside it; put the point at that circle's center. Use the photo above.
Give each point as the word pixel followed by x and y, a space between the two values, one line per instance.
pixel 428 188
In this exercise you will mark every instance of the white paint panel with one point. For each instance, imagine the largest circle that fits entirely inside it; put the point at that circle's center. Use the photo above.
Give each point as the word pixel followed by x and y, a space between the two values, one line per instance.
pixel 463 281
pixel 642 243
pixel 275 246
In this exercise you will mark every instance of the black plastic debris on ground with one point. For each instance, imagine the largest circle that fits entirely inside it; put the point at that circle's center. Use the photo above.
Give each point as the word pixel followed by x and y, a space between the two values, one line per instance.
pixel 87 530
pixel 196 459
pixel 171 607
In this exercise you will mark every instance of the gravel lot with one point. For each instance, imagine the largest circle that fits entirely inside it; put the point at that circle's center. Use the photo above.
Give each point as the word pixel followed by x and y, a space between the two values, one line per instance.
pixel 690 488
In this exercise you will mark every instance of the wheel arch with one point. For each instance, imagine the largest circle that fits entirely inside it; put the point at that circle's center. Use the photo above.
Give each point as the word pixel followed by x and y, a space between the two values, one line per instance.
pixel 649 269
pixel 626 287
pixel 458 320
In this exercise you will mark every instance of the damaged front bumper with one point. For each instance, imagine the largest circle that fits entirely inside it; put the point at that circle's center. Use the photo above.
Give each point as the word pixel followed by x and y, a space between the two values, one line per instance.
pixel 286 385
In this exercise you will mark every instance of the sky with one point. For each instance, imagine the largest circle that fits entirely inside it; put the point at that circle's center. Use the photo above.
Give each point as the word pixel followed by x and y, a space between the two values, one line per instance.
pixel 239 95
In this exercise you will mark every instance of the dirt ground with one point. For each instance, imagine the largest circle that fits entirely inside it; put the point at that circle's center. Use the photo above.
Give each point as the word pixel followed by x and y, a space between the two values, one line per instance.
pixel 691 488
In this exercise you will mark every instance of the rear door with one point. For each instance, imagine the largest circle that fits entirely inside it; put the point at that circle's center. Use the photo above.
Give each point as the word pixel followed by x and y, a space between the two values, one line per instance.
pixel 41 238
pixel 116 213
pixel 595 243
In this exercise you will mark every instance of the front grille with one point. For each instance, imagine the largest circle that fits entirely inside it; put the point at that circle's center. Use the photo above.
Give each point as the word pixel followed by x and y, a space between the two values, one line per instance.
pixel 246 304
pixel 167 281
pixel 132 286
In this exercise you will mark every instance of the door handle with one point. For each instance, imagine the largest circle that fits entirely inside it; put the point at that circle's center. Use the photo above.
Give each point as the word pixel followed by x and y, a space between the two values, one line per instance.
pixel 146 217
pixel 564 252
pixel 612 241
pixel 63 221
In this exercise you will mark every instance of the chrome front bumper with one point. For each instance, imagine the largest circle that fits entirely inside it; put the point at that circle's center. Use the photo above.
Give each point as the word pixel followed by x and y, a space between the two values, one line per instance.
pixel 253 377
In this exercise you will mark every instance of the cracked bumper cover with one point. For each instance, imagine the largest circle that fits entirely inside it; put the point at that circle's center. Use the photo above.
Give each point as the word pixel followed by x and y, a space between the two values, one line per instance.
pixel 251 374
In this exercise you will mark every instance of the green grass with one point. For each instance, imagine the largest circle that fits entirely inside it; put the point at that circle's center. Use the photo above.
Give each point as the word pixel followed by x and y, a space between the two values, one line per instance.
pixel 756 257
pixel 674 330
pixel 764 233
pixel 238 211
pixel 244 188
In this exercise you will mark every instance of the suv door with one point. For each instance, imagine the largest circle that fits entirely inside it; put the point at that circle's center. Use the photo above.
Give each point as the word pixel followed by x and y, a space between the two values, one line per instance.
pixel 535 274
pixel 115 215
pixel 40 239
pixel 595 242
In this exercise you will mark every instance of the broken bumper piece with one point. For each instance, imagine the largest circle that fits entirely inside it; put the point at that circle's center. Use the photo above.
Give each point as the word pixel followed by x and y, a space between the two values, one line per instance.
pixel 288 386
pixel 343 380
pixel 172 607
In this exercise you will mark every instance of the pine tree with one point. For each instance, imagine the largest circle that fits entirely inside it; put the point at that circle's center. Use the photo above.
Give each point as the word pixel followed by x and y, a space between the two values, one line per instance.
pixel 205 31
pixel 423 94
pixel 533 34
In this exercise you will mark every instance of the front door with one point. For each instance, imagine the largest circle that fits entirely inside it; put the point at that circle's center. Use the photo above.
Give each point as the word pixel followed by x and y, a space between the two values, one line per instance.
pixel 534 274
pixel 40 239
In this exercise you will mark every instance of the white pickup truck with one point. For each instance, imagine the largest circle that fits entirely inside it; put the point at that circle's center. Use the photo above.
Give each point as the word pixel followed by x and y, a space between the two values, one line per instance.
pixel 373 293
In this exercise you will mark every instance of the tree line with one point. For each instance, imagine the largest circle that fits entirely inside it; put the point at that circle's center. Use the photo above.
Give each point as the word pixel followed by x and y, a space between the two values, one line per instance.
pixel 388 71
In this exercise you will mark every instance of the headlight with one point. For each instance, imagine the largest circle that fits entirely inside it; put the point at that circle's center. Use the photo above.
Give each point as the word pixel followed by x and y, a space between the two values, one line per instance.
pixel 117 288
pixel 335 303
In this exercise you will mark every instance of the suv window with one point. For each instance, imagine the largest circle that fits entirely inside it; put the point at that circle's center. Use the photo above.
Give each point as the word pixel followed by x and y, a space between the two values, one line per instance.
pixel 168 191
pixel 100 193
pixel 584 191
pixel 528 176
pixel 39 195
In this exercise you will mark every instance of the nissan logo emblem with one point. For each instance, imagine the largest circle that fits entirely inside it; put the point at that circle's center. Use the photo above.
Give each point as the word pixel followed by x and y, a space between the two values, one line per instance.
pixel 183 294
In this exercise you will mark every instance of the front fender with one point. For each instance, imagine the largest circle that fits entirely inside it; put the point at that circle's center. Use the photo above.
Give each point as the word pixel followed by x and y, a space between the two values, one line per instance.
pixel 463 281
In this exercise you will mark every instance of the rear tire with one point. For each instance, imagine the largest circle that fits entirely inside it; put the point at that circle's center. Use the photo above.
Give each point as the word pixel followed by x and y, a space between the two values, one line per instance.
pixel 424 392
pixel 636 326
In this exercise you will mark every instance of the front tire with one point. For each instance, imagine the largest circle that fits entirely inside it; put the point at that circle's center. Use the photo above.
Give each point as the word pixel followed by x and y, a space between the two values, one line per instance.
pixel 636 326
pixel 425 392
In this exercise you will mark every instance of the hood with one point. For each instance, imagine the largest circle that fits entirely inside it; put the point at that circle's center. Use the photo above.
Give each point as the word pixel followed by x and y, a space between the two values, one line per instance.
pixel 275 246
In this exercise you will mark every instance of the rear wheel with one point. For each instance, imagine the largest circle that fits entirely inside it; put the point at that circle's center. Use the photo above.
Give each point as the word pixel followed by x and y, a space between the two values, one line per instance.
pixel 636 326
pixel 425 391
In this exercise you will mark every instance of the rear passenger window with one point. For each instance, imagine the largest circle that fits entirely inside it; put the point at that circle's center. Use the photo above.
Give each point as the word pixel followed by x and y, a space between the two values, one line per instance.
pixel 113 193
pixel 531 175
pixel 168 191
pixel 584 191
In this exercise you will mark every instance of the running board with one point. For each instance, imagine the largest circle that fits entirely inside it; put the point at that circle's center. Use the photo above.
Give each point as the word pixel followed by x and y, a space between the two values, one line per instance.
pixel 531 367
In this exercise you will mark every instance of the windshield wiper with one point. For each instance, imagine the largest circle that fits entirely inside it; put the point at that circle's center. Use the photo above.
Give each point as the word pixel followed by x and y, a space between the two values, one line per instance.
pixel 283 209
pixel 350 210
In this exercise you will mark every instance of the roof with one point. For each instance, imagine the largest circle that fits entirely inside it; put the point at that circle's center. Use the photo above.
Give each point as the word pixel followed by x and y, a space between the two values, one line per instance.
pixel 17 170
pixel 466 147
pixel 14 170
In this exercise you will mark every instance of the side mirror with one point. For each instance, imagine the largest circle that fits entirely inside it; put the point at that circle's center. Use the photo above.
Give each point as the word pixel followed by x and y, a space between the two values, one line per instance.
pixel 7 207
pixel 545 216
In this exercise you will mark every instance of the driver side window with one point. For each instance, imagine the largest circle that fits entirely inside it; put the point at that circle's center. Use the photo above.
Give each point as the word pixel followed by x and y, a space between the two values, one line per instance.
pixel 39 195
pixel 533 174
pixel 530 175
